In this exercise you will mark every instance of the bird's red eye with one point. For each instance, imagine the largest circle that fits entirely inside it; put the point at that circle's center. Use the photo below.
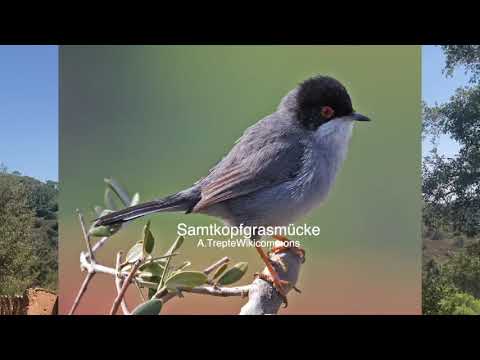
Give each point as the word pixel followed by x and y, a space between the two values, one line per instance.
pixel 327 112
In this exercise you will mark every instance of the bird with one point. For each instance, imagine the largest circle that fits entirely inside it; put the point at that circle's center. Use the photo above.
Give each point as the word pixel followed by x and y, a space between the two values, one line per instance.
pixel 279 170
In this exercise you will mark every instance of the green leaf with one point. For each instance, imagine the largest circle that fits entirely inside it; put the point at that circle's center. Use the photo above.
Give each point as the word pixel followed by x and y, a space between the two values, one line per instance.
pixel 102 231
pixel 145 275
pixel 233 274
pixel 148 239
pixel 152 267
pixel 179 269
pixel 183 266
pixel 220 271
pixel 151 292
pixel 186 279
pixel 150 277
pixel 119 191
pixel 135 199
pixel 106 212
pixel 98 210
pixel 135 253
pixel 162 260
pixel 149 284
pixel 126 268
pixel 176 245
pixel 109 200
pixel 151 307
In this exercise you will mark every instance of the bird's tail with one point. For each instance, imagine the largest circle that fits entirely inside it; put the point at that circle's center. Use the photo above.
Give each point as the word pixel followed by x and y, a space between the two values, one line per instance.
pixel 182 201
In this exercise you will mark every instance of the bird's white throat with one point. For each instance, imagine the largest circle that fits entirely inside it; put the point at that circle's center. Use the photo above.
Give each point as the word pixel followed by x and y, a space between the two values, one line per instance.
pixel 322 165
pixel 335 134
pixel 330 150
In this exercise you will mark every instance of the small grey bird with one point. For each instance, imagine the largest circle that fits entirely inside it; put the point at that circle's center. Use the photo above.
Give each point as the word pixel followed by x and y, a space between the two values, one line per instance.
pixel 280 169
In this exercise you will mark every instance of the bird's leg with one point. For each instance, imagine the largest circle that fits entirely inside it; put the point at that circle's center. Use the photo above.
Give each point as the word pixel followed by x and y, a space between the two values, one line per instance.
pixel 273 277
pixel 285 247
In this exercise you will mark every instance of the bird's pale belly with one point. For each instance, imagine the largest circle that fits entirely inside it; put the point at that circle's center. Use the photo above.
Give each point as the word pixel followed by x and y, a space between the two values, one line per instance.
pixel 287 202
pixel 278 206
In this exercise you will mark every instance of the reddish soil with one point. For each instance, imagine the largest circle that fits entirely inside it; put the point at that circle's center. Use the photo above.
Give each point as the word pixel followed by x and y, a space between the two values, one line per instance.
pixel 42 302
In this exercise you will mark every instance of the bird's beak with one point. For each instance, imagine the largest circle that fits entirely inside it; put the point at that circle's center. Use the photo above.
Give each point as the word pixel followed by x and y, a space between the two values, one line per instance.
pixel 359 117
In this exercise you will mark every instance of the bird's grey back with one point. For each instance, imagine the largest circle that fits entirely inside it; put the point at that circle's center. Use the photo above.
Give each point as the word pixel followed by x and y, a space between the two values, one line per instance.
pixel 274 135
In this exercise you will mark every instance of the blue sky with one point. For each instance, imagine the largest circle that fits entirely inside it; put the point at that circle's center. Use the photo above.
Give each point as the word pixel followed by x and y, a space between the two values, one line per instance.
pixel 437 88
pixel 29 110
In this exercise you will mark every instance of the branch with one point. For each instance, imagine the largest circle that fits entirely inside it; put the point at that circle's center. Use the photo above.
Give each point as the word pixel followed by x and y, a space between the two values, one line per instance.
pixel 90 273
pixel 99 244
pixel 262 296
pixel 123 290
pixel 82 290
pixel 220 291
pixel 85 235
pixel 119 283
pixel 216 265
pixel 263 299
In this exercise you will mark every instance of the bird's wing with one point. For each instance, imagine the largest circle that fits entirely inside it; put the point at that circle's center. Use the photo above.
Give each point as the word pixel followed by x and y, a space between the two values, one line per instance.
pixel 253 164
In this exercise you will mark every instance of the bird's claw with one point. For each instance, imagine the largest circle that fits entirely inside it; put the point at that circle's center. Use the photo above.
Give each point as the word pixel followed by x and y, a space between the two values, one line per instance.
pixel 296 250
pixel 278 284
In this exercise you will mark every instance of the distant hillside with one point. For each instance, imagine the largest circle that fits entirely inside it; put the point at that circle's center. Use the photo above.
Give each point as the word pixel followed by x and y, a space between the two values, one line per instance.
pixel 440 250
pixel 28 233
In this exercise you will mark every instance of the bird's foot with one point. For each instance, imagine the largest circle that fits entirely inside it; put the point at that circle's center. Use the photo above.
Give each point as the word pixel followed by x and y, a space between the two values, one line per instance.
pixel 285 246
pixel 279 284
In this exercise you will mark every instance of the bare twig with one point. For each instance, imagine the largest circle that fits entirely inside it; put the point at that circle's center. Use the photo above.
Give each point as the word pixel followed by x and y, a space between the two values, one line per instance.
pixel 216 265
pixel 99 244
pixel 82 290
pixel 91 272
pixel 101 269
pixel 164 273
pixel 139 290
pixel 165 295
pixel 207 290
pixel 124 288
pixel 85 235
pixel 96 268
pixel 219 291
pixel 119 283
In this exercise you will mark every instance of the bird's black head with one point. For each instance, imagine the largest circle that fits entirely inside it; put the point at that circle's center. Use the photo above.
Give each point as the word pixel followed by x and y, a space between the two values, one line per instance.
pixel 321 99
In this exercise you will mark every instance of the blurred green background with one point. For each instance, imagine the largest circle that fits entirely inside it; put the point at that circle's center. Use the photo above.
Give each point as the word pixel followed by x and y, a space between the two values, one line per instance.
pixel 156 118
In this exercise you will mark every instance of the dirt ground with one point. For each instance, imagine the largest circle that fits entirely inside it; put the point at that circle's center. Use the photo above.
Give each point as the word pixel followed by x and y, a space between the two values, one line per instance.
pixel 42 302
pixel 437 249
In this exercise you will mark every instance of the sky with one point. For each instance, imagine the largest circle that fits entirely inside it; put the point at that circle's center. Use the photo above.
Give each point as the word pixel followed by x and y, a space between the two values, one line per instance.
pixel 29 106
pixel 437 88
pixel 29 110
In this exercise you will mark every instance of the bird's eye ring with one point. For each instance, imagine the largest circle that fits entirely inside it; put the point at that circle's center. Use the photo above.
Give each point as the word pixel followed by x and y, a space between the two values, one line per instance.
pixel 327 112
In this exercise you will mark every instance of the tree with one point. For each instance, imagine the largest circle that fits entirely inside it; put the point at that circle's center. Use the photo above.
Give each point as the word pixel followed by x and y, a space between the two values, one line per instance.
pixel 451 190
pixel 451 186
pixel 435 288
pixel 460 274
pixel 459 304
pixel 28 233
pixel 467 56
pixel 16 249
